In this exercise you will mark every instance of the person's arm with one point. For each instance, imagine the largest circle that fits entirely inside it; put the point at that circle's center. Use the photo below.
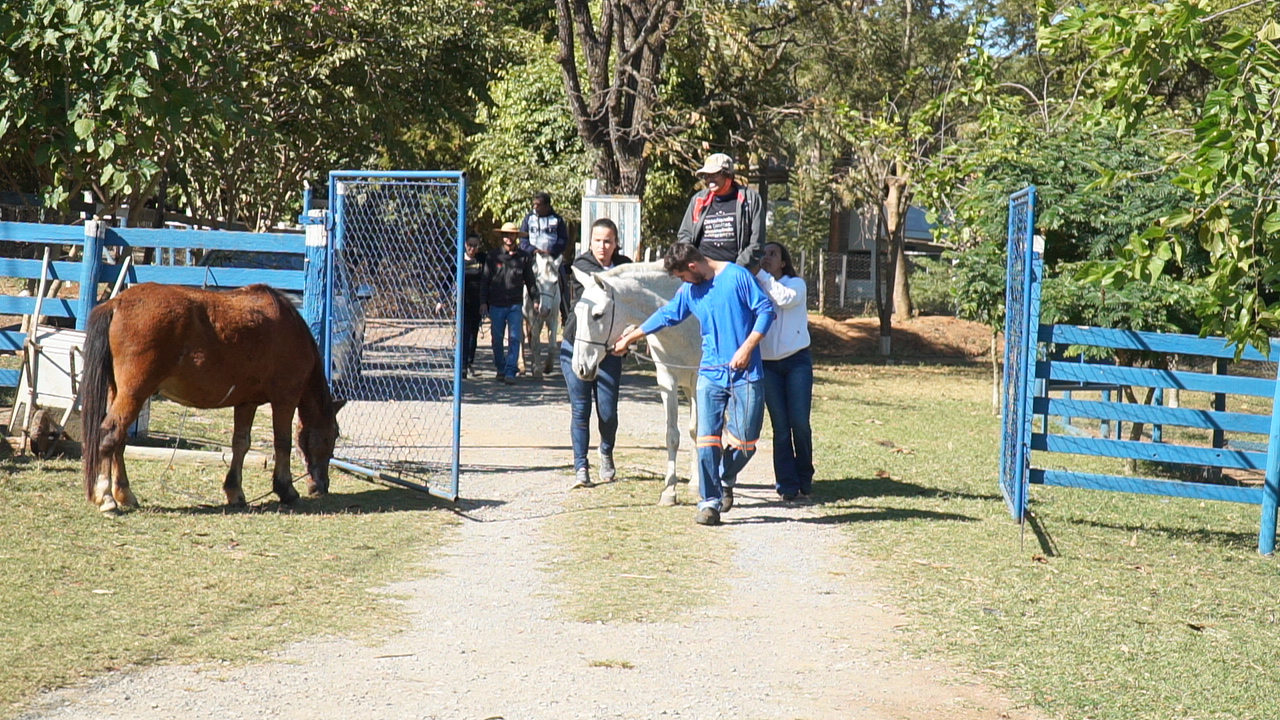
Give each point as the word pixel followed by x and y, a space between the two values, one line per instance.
pixel 742 357
pixel 486 279
pixel 749 256
pixel 562 238
pixel 785 292
pixel 762 307
pixel 531 282
pixel 687 232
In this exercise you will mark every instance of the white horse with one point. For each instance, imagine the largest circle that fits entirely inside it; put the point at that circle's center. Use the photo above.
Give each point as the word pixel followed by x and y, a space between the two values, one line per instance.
pixel 627 295
pixel 546 271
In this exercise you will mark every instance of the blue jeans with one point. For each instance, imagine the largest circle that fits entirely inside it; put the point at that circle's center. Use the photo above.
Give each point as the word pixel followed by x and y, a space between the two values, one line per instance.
pixel 788 393
pixel 604 391
pixel 729 420
pixel 506 322
pixel 470 333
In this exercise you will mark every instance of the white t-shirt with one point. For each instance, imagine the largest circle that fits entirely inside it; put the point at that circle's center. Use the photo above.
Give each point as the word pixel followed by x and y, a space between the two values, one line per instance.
pixel 789 333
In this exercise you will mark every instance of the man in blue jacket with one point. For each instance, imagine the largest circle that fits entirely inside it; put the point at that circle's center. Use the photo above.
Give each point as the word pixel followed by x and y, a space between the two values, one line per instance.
pixel 735 314
pixel 543 230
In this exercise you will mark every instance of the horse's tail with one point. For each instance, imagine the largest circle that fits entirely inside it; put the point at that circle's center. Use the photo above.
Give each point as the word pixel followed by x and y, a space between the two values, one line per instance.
pixel 99 370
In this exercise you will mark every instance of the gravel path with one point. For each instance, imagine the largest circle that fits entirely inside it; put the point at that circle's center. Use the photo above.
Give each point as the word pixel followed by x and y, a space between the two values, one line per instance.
pixel 804 633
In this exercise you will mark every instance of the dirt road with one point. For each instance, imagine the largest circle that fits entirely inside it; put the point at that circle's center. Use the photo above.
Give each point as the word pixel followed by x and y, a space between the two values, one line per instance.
pixel 803 632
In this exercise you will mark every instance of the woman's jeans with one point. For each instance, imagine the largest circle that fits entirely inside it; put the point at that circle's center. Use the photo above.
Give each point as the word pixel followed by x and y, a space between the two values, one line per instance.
pixel 506 322
pixel 788 393
pixel 470 333
pixel 604 392
pixel 729 420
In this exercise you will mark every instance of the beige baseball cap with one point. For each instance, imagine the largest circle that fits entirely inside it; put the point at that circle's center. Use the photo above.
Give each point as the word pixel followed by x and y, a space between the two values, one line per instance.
pixel 718 162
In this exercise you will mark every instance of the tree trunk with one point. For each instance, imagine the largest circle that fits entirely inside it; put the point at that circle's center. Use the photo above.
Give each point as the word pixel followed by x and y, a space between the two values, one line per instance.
pixel 613 93
pixel 895 212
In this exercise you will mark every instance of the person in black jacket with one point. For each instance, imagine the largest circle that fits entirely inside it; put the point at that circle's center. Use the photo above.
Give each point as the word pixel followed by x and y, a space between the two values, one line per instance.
pixel 473 262
pixel 602 254
pixel 507 273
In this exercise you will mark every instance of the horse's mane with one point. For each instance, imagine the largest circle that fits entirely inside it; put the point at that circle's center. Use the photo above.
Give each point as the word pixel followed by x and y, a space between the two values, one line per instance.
pixel 638 271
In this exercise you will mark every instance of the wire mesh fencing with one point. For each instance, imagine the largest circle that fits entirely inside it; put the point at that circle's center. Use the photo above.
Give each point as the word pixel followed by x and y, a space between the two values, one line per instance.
pixel 393 314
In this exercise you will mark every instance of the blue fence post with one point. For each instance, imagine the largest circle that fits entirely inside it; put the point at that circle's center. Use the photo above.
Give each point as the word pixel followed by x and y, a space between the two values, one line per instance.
pixel 1271 486
pixel 314 223
pixel 95 232
pixel 459 283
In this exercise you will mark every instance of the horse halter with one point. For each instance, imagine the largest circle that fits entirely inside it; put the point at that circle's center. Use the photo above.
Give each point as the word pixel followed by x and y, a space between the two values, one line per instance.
pixel 613 313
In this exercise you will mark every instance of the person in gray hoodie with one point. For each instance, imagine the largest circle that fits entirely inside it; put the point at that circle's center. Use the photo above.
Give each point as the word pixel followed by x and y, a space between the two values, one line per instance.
pixel 726 220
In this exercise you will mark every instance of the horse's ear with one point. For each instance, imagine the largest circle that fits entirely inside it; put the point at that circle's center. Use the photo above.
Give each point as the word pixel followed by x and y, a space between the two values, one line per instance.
pixel 338 405
pixel 599 280
pixel 582 277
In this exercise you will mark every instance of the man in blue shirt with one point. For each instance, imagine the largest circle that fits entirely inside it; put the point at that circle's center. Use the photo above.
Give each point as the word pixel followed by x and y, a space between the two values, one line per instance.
pixel 735 314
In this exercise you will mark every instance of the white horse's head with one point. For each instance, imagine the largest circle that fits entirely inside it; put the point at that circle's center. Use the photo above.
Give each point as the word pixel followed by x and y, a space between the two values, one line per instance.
pixel 597 328
pixel 546 274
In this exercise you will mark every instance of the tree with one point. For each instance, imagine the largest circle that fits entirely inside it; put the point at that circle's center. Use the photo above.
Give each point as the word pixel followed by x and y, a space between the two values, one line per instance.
pixel 612 70
pixel 1138 56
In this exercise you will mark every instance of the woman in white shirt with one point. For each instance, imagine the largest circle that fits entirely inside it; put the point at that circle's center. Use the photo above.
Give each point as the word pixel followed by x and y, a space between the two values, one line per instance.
pixel 788 374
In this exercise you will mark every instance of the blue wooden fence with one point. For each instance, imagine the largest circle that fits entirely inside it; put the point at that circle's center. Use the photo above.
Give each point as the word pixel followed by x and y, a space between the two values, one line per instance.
pixel 1031 375
pixel 94 270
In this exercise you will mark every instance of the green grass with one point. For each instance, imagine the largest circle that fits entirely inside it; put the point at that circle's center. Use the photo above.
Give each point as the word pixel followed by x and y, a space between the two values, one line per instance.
pixel 182 579
pixel 1111 606
pixel 623 559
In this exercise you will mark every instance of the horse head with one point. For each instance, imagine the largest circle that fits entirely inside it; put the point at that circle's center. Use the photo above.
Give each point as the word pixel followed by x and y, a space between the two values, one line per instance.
pixel 596 330
pixel 546 272
pixel 318 432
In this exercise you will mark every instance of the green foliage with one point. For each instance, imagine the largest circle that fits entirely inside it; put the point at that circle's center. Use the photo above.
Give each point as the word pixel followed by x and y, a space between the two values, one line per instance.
pixel 1229 168
pixel 237 100
pixel 932 281
pixel 529 142
pixel 109 118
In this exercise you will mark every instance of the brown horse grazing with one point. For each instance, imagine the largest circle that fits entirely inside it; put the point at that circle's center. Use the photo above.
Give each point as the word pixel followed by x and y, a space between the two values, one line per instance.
pixel 205 349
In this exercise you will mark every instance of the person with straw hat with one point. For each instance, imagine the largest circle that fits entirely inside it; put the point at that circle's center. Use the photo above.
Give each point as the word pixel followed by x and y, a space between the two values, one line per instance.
pixel 507 274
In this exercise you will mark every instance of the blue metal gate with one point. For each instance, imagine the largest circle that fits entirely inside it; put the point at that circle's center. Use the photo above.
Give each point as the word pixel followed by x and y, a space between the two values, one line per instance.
pixel 1021 320
pixel 392 314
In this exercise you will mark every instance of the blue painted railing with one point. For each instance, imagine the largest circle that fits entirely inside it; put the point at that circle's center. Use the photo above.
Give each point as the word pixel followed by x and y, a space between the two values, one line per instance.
pixel 1028 398
pixel 93 271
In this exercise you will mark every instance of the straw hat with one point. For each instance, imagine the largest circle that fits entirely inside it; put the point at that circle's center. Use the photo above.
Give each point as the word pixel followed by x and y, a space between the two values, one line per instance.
pixel 510 227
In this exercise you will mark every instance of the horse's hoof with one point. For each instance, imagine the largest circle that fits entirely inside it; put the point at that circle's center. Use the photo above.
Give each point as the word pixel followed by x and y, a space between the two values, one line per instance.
pixel 666 500
pixel 290 499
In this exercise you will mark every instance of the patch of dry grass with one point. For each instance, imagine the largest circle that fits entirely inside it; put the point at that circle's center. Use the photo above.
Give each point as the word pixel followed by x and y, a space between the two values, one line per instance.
pixel 185 580
pixel 621 558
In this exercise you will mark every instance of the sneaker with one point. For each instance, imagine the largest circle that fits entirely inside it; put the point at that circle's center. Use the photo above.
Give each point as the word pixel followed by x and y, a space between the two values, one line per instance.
pixel 726 500
pixel 509 380
pixel 707 516
pixel 582 479
pixel 608 471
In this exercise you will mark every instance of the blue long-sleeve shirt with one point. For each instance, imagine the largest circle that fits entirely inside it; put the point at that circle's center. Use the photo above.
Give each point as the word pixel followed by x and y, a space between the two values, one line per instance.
pixel 729 306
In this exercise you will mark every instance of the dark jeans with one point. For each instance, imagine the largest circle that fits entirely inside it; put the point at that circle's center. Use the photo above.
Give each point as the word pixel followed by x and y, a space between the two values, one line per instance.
pixel 788 394
pixel 470 333
pixel 604 391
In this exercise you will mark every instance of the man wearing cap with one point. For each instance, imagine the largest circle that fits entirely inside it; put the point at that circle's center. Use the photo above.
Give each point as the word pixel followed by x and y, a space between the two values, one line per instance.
pixel 726 220
pixel 507 273
pixel 543 230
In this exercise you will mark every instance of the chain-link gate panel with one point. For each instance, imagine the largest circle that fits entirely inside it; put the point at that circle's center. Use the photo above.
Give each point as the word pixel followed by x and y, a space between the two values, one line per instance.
pixel 393 320
pixel 1021 323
